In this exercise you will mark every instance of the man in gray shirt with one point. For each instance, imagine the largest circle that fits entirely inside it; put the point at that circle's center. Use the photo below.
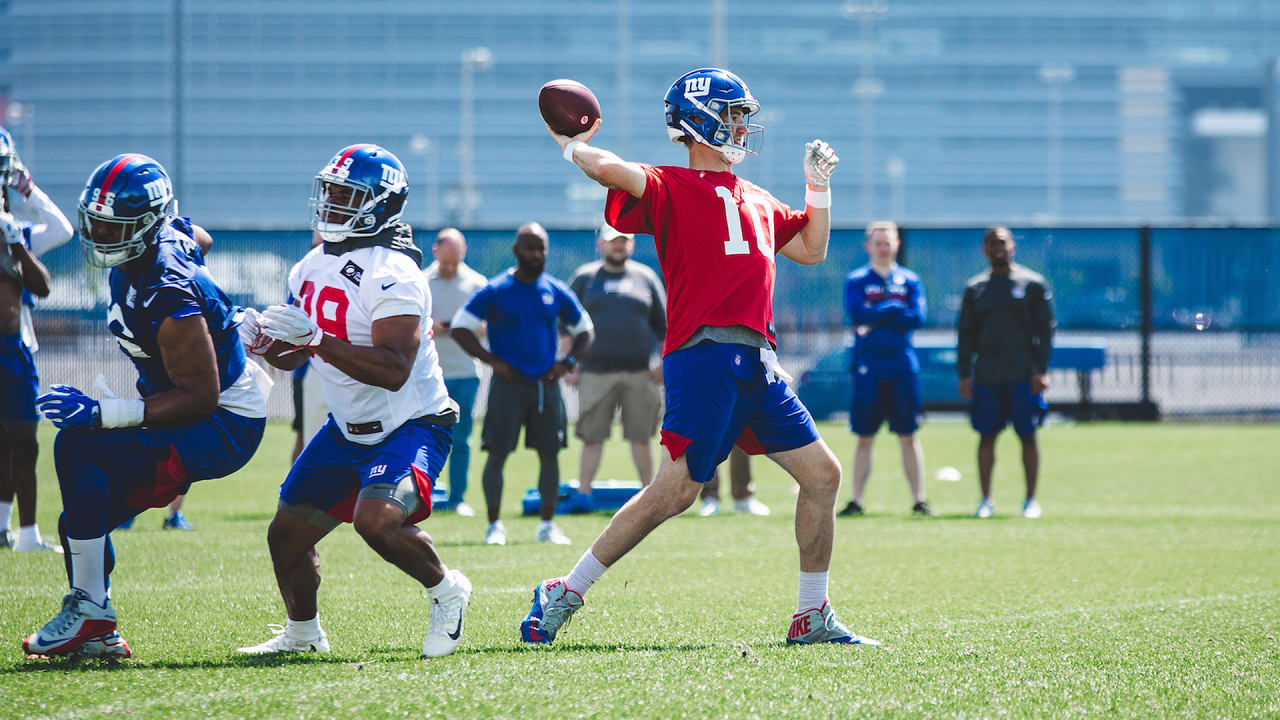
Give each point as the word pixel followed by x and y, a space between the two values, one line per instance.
pixel 1006 318
pixel 628 305
pixel 453 283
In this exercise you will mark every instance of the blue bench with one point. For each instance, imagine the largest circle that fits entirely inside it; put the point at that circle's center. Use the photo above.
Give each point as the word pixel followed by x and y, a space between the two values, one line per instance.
pixel 826 390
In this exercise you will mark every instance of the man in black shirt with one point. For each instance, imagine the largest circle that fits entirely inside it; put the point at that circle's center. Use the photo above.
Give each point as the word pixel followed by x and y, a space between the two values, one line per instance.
pixel 1007 320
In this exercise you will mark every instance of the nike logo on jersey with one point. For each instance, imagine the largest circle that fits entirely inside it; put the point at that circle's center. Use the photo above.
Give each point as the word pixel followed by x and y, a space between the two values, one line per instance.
pixel 457 633
pixel 387 285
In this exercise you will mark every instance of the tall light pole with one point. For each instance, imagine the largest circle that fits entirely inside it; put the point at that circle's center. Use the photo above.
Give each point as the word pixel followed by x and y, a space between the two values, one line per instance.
pixel 867 88
pixel 1055 75
pixel 477 59
pixel 422 146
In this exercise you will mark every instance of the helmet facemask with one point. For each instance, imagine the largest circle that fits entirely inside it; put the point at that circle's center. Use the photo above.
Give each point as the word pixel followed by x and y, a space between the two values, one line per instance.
pixel 341 207
pixel 721 124
pixel 110 241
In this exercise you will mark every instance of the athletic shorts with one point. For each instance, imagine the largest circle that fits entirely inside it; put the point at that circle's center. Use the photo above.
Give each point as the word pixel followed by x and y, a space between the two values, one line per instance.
pixel 718 396
pixel 332 472
pixel 601 394
pixel 994 406
pixel 880 396
pixel 536 407
pixel 19 383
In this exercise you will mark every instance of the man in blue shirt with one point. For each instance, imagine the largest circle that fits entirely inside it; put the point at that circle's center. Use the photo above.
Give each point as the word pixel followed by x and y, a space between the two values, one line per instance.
pixel 885 302
pixel 523 308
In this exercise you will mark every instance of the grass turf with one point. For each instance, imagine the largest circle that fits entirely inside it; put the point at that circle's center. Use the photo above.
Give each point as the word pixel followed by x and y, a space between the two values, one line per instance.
pixel 1151 587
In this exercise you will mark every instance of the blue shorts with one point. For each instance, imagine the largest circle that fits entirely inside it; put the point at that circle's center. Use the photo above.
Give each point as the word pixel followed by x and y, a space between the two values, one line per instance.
pixel 19 383
pixel 717 396
pixel 878 396
pixel 332 470
pixel 109 476
pixel 994 406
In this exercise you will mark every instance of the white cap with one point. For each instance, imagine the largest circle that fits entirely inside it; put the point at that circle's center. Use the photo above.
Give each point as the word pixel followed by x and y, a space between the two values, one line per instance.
pixel 607 232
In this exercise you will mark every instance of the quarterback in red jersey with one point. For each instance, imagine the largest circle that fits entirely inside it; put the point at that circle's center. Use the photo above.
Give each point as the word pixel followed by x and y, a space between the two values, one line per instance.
pixel 717 236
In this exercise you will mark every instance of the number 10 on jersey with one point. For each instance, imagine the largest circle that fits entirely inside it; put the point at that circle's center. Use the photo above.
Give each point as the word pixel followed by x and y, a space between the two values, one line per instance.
pixel 761 220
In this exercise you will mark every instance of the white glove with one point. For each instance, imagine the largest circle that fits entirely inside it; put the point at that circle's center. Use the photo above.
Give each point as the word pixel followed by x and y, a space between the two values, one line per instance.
pixel 819 162
pixel 288 323
pixel 251 335
pixel 10 233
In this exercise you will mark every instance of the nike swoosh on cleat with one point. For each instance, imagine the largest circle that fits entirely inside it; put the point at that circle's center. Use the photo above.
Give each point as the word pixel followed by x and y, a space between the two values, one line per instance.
pixel 457 633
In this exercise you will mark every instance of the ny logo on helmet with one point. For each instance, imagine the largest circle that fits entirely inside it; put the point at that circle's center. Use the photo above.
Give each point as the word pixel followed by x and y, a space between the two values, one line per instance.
pixel 697 87
pixel 392 178
pixel 158 191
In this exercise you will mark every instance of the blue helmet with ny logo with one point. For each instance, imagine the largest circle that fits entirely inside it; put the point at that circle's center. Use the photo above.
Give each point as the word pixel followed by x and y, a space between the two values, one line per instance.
pixel 714 107
pixel 360 192
pixel 124 203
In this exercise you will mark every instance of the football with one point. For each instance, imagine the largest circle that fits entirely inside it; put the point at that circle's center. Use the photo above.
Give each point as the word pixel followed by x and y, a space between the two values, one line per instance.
pixel 568 106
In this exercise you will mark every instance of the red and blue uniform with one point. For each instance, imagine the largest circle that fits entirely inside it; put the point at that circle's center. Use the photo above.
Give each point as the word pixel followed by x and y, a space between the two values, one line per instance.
pixel 716 236
pixel 884 311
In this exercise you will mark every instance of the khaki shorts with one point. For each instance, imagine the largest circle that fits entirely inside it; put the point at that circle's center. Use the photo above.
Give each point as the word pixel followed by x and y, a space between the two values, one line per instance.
pixel 600 394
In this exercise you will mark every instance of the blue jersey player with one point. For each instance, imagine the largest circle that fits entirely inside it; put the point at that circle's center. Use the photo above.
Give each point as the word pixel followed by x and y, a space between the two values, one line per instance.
pixel 885 302
pixel 202 407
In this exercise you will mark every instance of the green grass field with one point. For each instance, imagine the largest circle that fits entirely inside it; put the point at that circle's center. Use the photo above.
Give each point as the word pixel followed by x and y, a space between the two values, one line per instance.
pixel 1151 588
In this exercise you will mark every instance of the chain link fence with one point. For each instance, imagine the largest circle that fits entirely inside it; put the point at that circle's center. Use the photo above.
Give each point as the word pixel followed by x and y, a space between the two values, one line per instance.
pixel 1188 317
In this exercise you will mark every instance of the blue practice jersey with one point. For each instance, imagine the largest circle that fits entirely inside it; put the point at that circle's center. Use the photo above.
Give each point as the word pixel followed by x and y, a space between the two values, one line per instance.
pixel 884 311
pixel 171 281
pixel 523 319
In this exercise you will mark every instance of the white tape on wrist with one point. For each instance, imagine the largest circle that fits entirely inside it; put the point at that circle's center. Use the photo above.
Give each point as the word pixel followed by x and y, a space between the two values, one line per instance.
pixel 568 149
pixel 121 412
pixel 814 198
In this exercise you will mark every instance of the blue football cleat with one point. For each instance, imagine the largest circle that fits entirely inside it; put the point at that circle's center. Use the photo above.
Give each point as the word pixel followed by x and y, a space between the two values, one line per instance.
pixel 553 604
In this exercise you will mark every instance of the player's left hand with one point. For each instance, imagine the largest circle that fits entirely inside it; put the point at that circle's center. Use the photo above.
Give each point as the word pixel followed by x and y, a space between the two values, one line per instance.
pixel 251 334
pixel 819 162
pixel 288 323
pixel 67 407
pixel 20 179
pixel 1039 383
pixel 10 233
pixel 557 371
pixel 581 137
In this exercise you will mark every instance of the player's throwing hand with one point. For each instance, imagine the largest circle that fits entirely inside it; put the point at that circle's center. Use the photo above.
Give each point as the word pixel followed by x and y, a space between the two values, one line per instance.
pixel 819 162
pixel 290 324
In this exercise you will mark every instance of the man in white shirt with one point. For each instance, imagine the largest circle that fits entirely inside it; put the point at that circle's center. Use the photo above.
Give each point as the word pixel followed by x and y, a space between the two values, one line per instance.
pixel 452 283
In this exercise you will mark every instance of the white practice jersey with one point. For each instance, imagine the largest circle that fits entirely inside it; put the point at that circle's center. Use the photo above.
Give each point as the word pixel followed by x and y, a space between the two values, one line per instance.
pixel 345 294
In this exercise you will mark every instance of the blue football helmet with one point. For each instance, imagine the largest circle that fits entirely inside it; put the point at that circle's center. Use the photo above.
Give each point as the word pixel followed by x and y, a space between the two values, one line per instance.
pixel 359 193
pixel 8 156
pixel 127 200
pixel 700 107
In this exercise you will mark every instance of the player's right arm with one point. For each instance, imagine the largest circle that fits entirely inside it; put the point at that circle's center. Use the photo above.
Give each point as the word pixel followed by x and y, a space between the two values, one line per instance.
pixel 601 165
pixel 966 342
pixel 467 322
pixel 862 313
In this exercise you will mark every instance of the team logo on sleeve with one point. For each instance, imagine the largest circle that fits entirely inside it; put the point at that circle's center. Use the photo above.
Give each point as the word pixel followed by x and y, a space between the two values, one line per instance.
pixel 352 272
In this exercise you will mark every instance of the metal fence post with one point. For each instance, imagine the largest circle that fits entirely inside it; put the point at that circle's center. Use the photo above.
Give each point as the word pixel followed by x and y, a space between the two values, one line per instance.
pixel 1144 292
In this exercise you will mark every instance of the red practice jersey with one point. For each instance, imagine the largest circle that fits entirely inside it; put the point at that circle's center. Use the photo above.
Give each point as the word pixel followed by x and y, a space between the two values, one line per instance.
pixel 717 235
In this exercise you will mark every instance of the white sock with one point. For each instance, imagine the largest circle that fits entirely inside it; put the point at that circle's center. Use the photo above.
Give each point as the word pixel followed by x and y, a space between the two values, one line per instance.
pixel 585 573
pixel 813 591
pixel 442 588
pixel 6 514
pixel 545 525
pixel 304 629
pixel 29 536
pixel 88 572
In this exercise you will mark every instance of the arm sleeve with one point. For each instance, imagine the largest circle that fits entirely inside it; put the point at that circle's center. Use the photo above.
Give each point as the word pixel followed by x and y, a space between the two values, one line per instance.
pixel 658 310
pixel 49 227
pixel 1044 326
pixel 631 214
pixel 172 297
pixel 572 314
pixel 913 313
pixel 396 287
pixel 472 314
pixel 966 336
pixel 787 223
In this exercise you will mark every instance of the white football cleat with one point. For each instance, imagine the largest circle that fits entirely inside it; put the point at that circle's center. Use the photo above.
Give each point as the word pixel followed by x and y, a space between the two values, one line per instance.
pixel 1031 509
pixel 986 509
pixel 553 605
pixel 110 646
pixel 283 642
pixel 79 621
pixel 465 510
pixel 496 534
pixel 710 508
pixel 39 544
pixel 444 629
pixel 820 625
pixel 750 506
pixel 551 534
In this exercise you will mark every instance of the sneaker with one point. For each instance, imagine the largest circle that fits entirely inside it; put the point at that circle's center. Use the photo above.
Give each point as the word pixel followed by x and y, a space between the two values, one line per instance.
pixel 80 620
pixel 464 510
pixel 986 509
pixel 922 508
pixel 496 534
pixel 6 539
pixel 553 604
pixel 551 534
pixel 1031 509
pixel 40 545
pixel 853 509
pixel 750 506
pixel 177 521
pixel 110 646
pixel 710 508
pixel 820 625
pixel 444 629
pixel 283 642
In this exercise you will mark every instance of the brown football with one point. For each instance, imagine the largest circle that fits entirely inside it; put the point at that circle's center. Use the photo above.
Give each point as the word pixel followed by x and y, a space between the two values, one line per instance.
pixel 568 106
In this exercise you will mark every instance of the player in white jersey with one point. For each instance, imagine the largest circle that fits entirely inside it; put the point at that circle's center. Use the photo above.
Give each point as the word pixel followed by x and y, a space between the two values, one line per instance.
pixel 363 313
